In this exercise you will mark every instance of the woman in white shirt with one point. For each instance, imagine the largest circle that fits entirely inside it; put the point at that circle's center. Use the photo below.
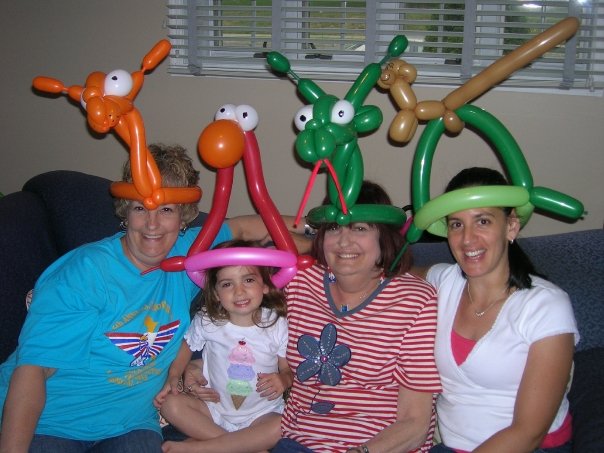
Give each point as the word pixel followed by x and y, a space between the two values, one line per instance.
pixel 505 337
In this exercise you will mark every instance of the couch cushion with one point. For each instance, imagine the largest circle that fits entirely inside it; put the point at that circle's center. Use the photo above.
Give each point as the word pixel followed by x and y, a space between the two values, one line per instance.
pixel 27 249
pixel 575 262
pixel 587 389
pixel 80 207
pixel 428 253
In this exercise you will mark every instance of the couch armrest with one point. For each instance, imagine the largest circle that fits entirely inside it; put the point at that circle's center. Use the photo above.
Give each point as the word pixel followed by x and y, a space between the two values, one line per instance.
pixel 26 249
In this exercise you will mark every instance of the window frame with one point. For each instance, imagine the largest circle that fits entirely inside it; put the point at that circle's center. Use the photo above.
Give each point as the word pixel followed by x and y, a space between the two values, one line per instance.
pixel 574 66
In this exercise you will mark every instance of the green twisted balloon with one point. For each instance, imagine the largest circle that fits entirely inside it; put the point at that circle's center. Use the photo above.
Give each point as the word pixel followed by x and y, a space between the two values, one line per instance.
pixel 431 215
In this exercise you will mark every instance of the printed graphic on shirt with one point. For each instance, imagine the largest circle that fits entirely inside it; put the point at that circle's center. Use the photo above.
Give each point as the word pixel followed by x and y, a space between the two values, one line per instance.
pixel 323 358
pixel 144 346
pixel 240 373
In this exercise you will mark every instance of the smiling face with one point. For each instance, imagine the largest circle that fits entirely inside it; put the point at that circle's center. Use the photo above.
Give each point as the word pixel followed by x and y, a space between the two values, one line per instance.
pixel 240 290
pixel 151 234
pixel 479 240
pixel 352 250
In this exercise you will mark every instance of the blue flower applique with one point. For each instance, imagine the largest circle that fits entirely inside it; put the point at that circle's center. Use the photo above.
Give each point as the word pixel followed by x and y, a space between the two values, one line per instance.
pixel 323 357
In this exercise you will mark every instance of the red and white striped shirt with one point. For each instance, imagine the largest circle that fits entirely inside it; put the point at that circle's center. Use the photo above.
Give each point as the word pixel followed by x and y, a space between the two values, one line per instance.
pixel 391 338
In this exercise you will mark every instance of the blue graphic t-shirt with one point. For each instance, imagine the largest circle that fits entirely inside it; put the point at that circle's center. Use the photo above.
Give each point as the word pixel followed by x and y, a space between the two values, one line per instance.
pixel 110 332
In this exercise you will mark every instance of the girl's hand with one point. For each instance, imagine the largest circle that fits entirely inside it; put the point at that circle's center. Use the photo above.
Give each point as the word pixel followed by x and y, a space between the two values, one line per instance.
pixel 271 385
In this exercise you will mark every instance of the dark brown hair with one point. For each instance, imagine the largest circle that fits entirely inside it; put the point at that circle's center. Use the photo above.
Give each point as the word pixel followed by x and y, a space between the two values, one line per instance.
pixel 390 238
pixel 273 300
pixel 520 264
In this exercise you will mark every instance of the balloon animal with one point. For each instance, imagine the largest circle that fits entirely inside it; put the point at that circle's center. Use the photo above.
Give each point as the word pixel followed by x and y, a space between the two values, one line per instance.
pixel 222 144
pixel 108 100
pixel 398 75
pixel 451 114
pixel 329 129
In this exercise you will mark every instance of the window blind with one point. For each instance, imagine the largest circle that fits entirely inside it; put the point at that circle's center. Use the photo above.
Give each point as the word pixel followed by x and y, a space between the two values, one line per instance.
pixel 449 41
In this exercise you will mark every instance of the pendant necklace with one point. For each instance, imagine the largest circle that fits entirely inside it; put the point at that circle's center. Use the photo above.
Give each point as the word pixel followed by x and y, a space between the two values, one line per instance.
pixel 344 307
pixel 480 314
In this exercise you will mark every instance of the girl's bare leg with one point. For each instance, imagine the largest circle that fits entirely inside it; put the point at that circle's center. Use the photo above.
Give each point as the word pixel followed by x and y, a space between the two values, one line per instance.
pixel 190 416
pixel 261 435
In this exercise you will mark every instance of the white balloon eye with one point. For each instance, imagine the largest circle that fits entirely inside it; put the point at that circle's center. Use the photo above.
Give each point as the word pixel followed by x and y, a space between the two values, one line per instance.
pixel 303 116
pixel 226 112
pixel 118 83
pixel 247 117
pixel 342 112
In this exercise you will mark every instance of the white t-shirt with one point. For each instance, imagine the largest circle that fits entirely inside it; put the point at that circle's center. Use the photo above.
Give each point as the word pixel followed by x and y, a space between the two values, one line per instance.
pixel 478 396
pixel 232 358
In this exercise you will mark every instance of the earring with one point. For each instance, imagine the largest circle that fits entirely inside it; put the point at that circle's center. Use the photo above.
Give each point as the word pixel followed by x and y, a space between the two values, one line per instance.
pixel 331 276
pixel 182 231
pixel 511 241
pixel 124 225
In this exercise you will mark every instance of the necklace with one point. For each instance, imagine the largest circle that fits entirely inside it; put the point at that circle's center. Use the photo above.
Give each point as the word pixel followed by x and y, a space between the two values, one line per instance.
pixel 480 314
pixel 344 307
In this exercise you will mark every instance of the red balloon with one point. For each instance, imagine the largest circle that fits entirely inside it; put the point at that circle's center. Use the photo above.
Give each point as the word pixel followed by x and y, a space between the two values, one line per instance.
pixel 261 198
pixel 305 261
pixel 216 216
pixel 174 264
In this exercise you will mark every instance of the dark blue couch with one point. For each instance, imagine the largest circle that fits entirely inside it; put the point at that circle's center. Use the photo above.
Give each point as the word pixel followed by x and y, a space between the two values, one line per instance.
pixel 60 210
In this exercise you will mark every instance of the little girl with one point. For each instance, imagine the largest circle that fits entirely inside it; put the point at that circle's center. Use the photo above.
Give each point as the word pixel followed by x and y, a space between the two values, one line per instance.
pixel 243 333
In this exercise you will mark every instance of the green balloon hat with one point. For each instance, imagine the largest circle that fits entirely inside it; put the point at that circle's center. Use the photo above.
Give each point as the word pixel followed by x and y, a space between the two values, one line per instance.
pixel 430 215
pixel 328 136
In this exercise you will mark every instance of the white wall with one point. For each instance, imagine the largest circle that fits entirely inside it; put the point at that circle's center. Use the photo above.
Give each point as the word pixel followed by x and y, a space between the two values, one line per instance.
pixel 562 135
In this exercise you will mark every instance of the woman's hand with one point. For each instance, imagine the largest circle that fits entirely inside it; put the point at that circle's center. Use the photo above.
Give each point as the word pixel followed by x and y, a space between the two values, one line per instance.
pixel 195 383
pixel 24 403
pixel 161 396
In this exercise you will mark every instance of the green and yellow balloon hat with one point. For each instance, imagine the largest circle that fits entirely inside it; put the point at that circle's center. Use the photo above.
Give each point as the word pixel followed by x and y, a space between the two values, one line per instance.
pixel 430 215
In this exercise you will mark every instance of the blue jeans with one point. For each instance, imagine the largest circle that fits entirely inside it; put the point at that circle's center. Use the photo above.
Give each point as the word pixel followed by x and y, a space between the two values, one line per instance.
pixel 286 445
pixel 566 448
pixel 138 441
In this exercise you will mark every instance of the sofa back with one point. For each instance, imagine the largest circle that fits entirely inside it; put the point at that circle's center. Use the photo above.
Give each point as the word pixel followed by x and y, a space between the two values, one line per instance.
pixel 60 210
pixel 54 213
pixel 574 261
pixel 26 249
pixel 79 207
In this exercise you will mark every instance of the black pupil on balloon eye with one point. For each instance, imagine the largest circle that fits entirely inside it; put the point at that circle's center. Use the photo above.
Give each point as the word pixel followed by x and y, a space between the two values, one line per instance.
pixel 114 78
pixel 245 115
pixel 302 117
pixel 340 113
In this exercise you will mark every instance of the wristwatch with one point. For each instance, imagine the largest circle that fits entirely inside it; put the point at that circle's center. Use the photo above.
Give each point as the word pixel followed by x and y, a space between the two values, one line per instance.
pixel 360 449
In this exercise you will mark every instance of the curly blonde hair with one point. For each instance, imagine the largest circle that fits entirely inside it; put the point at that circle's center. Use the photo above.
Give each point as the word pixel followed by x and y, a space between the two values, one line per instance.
pixel 176 169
